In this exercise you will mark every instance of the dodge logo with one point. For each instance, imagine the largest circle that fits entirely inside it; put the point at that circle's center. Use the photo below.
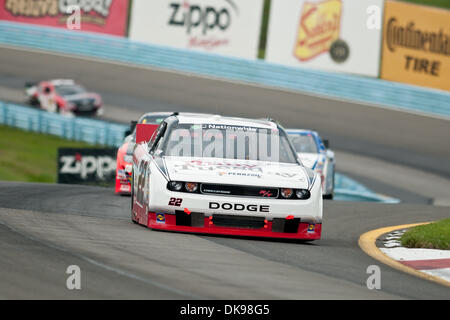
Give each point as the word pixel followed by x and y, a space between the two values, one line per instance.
pixel 239 207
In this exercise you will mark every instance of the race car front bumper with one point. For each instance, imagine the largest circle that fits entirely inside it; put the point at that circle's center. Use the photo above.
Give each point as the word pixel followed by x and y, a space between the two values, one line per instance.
pixel 123 186
pixel 287 228
pixel 123 182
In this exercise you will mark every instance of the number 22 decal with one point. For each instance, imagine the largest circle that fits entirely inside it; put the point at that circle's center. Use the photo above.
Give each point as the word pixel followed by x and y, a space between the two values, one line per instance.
pixel 175 202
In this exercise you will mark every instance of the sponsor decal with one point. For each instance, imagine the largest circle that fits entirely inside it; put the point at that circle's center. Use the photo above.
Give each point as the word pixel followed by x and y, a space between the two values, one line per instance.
pixel 239 207
pixel 311 227
pixel 265 193
pixel 319 28
pixel 339 51
pixel 160 218
pixel 205 25
pixel 416 45
pixel 106 16
pixel 228 127
pixel 216 166
pixel 86 166
pixel 240 174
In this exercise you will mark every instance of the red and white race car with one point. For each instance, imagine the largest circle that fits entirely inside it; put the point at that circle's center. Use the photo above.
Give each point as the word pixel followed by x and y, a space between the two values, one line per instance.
pixel 125 151
pixel 65 97
pixel 223 175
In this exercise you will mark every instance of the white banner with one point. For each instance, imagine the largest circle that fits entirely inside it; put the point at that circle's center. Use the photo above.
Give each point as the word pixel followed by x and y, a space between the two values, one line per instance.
pixel 331 35
pixel 229 27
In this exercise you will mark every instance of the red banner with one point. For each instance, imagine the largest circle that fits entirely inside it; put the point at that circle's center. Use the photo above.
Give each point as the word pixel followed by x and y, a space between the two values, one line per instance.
pixel 102 16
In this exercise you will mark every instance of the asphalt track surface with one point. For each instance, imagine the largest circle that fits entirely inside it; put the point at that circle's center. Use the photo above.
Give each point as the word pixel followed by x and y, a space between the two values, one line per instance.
pixel 46 228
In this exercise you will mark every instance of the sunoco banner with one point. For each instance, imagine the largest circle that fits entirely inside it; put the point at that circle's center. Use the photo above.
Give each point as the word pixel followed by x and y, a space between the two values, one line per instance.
pixel 87 166
pixel 331 35
pixel 416 45
pixel 229 27
pixel 102 16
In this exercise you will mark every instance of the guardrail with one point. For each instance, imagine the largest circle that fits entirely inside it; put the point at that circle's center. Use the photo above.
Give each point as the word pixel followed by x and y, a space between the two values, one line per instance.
pixel 342 86
pixel 79 129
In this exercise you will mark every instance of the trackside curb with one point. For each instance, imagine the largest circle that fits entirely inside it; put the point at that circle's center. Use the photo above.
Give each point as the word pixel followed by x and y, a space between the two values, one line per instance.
pixel 367 243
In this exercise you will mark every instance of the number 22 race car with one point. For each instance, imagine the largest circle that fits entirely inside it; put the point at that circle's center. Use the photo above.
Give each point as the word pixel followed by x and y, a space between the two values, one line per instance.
pixel 223 175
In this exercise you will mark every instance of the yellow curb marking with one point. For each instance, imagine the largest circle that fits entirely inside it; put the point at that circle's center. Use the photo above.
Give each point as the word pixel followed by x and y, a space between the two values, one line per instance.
pixel 367 244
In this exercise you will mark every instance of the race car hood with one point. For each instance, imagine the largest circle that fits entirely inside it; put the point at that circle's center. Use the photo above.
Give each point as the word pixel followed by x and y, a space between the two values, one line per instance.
pixel 237 172
pixel 310 160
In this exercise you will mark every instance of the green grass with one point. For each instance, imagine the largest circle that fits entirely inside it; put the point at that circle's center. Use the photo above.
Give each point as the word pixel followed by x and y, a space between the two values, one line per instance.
pixel 432 236
pixel 30 157
pixel 434 3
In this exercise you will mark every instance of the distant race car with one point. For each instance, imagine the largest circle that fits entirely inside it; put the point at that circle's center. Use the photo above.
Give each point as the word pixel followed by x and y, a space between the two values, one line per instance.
pixel 125 151
pixel 314 153
pixel 223 175
pixel 65 97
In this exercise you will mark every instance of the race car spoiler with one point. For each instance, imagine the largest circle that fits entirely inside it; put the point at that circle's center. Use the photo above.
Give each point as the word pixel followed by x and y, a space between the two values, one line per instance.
pixel 144 132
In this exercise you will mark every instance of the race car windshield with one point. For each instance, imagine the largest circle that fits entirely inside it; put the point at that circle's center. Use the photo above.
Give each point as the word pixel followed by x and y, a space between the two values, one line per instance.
pixel 304 143
pixel 68 90
pixel 228 142
pixel 151 119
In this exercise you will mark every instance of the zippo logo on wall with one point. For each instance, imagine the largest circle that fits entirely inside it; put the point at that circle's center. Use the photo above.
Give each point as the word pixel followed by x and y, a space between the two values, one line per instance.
pixel 330 35
pixel 199 21
pixel 86 166
pixel 104 16
pixel 221 26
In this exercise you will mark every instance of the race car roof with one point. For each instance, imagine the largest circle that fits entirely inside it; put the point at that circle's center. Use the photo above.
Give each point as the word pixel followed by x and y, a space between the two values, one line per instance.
pixel 223 120
pixel 301 131
pixel 62 82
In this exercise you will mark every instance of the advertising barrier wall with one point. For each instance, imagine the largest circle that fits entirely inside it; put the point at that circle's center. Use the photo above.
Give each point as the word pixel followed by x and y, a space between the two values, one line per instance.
pixel 229 27
pixel 416 45
pixel 91 166
pixel 331 35
pixel 106 16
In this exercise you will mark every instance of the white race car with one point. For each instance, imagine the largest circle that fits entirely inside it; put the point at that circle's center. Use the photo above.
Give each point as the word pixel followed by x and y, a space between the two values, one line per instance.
pixel 314 154
pixel 64 96
pixel 223 175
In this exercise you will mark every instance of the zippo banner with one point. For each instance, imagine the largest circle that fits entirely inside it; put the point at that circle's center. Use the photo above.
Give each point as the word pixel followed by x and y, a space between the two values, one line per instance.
pixel 228 27
pixel 104 16
pixel 331 35
pixel 92 166
pixel 416 45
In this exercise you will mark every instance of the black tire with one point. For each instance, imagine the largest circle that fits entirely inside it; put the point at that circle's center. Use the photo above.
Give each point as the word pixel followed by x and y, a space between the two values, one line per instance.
pixel 328 196
pixel 34 102
pixel 331 195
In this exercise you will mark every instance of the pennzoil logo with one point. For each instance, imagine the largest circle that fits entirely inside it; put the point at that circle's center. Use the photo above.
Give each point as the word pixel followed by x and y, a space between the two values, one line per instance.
pixel 319 28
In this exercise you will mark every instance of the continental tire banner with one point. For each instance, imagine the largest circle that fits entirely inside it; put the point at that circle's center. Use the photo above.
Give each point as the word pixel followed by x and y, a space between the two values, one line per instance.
pixel 94 166
pixel 102 16
pixel 416 45
pixel 228 27
pixel 331 35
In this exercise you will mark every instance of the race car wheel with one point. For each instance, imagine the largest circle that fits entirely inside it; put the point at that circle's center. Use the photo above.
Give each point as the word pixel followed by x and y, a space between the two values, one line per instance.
pixel 33 101
pixel 331 195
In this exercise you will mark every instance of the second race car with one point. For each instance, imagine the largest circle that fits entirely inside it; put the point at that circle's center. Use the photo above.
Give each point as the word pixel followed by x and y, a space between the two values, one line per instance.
pixel 65 97
pixel 223 175
pixel 315 154
pixel 125 151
